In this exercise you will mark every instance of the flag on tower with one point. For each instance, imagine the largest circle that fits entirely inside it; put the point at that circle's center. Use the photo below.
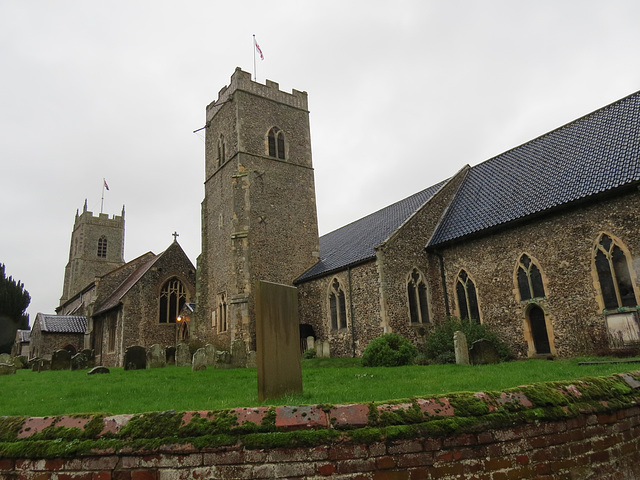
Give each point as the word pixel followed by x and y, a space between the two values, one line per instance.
pixel 259 50
pixel 105 184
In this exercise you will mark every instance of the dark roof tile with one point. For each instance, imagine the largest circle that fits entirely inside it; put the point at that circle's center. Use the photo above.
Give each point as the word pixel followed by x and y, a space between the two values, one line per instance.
pixel 62 323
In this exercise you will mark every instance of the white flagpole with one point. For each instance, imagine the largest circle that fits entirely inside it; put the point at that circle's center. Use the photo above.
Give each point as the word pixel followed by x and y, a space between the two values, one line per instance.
pixel 254 59
pixel 104 182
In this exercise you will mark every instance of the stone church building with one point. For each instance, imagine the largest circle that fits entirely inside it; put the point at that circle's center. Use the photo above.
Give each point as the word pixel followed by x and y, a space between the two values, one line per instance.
pixel 541 243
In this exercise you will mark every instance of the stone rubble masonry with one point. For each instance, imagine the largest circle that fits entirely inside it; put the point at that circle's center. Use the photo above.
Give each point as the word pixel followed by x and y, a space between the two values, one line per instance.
pixel 583 429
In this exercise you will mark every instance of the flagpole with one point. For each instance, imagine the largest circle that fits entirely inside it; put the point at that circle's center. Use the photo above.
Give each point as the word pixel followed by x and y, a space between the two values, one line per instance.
pixel 102 201
pixel 254 59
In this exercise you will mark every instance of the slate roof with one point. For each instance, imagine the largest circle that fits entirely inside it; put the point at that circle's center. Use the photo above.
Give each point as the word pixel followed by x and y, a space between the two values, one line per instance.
pixel 597 153
pixel 356 242
pixel 62 323
pixel 24 336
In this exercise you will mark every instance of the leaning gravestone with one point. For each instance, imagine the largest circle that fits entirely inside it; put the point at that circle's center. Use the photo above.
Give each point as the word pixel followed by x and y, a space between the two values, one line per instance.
pixel 183 355
pixel 5 358
pixel 278 341
pixel 210 354
pixel 61 360
pixel 79 362
pixel 483 352
pixel 135 358
pixel 238 354
pixel 156 357
pixel 199 360
pixel 461 348
pixel 7 369
pixel 171 355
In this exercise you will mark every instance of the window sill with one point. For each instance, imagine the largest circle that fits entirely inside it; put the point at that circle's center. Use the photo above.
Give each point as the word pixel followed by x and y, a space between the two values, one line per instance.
pixel 621 310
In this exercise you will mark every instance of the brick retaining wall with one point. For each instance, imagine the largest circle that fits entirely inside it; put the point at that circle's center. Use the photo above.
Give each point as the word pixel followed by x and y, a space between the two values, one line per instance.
pixel 588 429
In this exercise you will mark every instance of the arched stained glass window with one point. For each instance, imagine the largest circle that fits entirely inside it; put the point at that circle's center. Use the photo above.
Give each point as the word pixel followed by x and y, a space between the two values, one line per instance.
pixel 173 296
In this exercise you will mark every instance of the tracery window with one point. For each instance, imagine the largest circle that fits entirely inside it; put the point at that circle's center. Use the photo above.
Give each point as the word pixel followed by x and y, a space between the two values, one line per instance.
pixel 529 279
pixel 467 298
pixel 613 274
pixel 222 313
pixel 221 151
pixel 102 247
pixel 173 296
pixel 275 140
pixel 337 306
pixel 417 294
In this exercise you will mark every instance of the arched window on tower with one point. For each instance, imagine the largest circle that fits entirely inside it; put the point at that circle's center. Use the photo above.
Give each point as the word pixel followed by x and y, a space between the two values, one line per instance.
pixel 529 279
pixel 275 143
pixel 417 295
pixel 223 325
pixel 337 306
pixel 222 154
pixel 467 298
pixel 613 274
pixel 173 296
pixel 102 247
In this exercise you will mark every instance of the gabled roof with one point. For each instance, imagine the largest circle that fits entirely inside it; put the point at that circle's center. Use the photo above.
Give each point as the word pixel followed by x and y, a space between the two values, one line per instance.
pixel 597 153
pixel 356 242
pixel 62 323
pixel 23 336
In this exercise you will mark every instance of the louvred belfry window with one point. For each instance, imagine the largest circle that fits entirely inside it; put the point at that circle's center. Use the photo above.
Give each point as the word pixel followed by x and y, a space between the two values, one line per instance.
pixel 102 247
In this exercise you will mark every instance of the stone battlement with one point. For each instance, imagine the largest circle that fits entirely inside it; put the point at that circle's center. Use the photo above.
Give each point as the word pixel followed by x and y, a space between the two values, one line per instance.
pixel 241 80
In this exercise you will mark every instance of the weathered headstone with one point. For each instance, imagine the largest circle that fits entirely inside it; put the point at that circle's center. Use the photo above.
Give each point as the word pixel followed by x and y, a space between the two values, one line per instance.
pixel 210 354
pixel 40 364
pixel 156 357
pixel 326 349
pixel 7 369
pixel 90 355
pixel 21 361
pixel 79 362
pixel 135 358
pixel 170 353
pixel 6 358
pixel 461 348
pixel 238 354
pixel 199 360
pixel 251 359
pixel 98 369
pixel 61 360
pixel 483 352
pixel 311 343
pixel 223 359
pixel 183 355
pixel 278 341
pixel 319 350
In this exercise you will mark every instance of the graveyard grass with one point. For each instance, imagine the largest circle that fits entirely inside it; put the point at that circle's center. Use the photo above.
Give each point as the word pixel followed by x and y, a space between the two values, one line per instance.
pixel 325 381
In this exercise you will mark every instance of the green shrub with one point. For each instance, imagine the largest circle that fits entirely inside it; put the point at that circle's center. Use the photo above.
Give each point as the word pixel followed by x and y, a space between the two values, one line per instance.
pixel 439 347
pixel 311 353
pixel 389 350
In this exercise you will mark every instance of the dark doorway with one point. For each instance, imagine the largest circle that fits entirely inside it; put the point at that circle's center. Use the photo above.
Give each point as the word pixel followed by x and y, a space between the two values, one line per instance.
pixel 539 330
pixel 306 330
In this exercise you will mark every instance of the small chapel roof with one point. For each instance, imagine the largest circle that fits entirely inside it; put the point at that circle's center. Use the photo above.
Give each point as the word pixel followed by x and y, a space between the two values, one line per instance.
pixel 62 323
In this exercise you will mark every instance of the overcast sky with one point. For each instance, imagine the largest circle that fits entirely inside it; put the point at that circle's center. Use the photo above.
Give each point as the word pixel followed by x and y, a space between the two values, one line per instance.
pixel 402 95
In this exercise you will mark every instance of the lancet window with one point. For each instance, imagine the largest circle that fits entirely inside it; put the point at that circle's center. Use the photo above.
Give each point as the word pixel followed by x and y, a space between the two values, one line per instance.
pixel 337 306
pixel 613 274
pixel 275 141
pixel 529 279
pixel 417 295
pixel 173 296
pixel 467 298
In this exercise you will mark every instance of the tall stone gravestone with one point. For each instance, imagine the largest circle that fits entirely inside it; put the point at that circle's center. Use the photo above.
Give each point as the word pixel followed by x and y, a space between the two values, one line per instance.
pixel 156 356
pixel 311 343
pixel 90 355
pixel 135 358
pixel 61 360
pixel 238 354
pixel 199 360
pixel 278 341
pixel 183 355
pixel 483 352
pixel 171 355
pixel 210 354
pixel 326 349
pixel 461 348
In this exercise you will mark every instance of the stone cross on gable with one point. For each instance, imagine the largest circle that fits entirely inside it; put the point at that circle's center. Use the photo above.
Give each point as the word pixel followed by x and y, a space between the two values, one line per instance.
pixel 175 236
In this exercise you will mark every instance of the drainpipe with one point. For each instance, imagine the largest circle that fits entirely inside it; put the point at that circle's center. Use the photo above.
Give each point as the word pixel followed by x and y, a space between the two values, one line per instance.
pixel 444 282
pixel 353 323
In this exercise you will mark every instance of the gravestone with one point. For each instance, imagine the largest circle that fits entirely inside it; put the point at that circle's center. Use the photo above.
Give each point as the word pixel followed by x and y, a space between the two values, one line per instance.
pixel 21 361
pixel 223 359
pixel 251 359
pixel 99 369
pixel 483 352
pixel 61 360
pixel 311 343
pixel 79 362
pixel 461 348
pixel 278 341
pixel 199 360
pixel 171 355
pixel 90 356
pixel 7 369
pixel 319 350
pixel 5 358
pixel 238 354
pixel 183 355
pixel 40 364
pixel 326 349
pixel 135 358
pixel 210 354
pixel 156 357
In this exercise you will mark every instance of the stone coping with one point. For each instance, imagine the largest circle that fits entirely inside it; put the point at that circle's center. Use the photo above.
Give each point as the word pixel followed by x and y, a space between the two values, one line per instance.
pixel 436 416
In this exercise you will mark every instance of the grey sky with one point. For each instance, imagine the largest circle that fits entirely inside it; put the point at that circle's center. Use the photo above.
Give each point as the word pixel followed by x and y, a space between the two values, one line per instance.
pixel 402 95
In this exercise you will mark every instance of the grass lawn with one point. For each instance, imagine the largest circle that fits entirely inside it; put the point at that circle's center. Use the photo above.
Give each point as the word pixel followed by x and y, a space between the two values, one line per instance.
pixel 334 381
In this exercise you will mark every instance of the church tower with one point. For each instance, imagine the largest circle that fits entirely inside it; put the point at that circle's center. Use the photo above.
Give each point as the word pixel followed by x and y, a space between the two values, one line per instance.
pixel 259 217
pixel 97 247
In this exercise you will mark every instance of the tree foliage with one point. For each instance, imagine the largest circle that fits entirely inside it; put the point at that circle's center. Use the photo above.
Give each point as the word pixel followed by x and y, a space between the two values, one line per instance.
pixel 14 300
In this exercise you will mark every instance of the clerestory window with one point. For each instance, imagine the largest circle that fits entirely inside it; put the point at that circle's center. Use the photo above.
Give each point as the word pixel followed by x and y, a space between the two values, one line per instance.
pixel 102 247
pixel 417 295
pixel 529 279
pixel 275 141
pixel 613 274
pixel 173 296
pixel 467 298
pixel 337 306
